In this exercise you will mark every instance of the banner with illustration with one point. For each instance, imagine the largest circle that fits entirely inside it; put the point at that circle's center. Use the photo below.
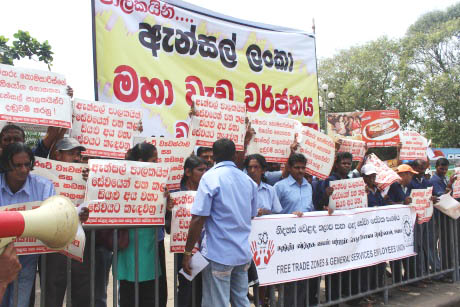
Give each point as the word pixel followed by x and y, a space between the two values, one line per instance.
pixel 287 248
pixel 156 55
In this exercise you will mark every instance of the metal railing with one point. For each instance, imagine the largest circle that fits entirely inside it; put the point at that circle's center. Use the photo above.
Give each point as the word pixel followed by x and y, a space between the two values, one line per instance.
pixel 436 244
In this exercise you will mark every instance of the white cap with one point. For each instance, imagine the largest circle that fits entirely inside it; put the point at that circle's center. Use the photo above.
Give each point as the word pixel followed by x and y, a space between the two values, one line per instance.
pixel 368 169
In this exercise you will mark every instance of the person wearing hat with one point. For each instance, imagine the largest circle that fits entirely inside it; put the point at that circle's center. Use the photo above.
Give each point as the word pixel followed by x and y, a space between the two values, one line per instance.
pixel 68 150
pixel 374 197
pixel 399 191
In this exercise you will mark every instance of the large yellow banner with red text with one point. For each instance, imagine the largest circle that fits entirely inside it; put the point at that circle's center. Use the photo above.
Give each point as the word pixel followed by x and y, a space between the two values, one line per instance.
pixel 156 56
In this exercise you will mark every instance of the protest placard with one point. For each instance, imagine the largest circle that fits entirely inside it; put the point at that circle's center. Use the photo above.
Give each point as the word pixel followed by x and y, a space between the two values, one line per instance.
pixel 348 194
pixel 273 137
pixel 34 97
pixel 421 200
pixel 126 192
pixel 456 184
pixel 380 128
pixel 181 218
pixel 173 151
pixel 319 149
pixel 346 125
pixel 287 248
pixel 29 246
pixel 216 119
pixel 356 148
pixel 106 130
pixel 66 177
pixel 413 147
pixel 385 175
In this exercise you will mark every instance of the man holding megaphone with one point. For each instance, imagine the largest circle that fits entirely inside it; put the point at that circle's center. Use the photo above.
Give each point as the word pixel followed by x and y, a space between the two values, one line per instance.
pixel 17 185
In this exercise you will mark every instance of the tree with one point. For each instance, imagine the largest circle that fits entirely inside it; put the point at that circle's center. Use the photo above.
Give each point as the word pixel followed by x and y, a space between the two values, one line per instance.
pixel 432 51
pixel 24 46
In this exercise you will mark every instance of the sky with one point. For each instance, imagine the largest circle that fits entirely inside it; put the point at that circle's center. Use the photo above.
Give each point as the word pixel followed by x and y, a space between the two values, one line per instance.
pixel 339 25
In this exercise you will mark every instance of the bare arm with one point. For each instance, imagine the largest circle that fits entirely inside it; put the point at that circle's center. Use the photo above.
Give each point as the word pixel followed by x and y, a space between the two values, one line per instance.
pixel 194 232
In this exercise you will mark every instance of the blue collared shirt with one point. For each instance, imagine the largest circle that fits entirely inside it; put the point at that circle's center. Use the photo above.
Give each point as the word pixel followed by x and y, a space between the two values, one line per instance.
pixel 294 197
pixel 418 184
pixel 375 199
pixel 397 193
pixel 267 198
pixel 439 184
pixel 36 188
pixel 228 197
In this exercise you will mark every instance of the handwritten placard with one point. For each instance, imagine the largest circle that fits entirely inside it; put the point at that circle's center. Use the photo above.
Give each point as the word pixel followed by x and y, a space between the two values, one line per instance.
pixel 319 149
pixel 421 200
pixel 181 218
pixel 173 151
pixel 126 192
pixel 106 130
pixel 456 184
pixel 385 175
pixel 348 194
pixel 217 119
pixel 273 138
pixel 66 177
pixel 414 146
pixel 356 148
pixel 34 97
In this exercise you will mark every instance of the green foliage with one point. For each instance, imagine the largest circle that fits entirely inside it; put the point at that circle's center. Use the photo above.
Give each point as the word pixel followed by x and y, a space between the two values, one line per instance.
pixel 24 46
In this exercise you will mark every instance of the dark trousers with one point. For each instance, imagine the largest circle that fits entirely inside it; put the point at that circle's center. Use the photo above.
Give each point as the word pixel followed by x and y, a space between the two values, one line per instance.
pixel 102 271
pixel 185 287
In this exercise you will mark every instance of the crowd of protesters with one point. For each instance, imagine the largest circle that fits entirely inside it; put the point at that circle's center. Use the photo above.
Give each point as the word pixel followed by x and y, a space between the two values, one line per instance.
pixel 231 189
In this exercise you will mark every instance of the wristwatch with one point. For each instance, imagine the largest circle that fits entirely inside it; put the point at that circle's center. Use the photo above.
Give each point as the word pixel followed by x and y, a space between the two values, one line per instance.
pixel 187 253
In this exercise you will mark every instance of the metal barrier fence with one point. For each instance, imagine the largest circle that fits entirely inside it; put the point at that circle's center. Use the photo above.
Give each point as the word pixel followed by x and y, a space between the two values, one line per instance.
pixel 436 244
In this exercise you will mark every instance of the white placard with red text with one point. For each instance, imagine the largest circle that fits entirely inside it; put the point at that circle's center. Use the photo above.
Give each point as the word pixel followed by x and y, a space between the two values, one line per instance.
pixel 273 138
pixel 385 175
pixel 66 177
pixel 348 194
pixel 173 151
pixel 456 184
pixel 421 200
pixel 181 218
pixel 35 97
pixel 356 148
pixel 414 146
pixel 319 149
pixel 287 248
pixel 217 119
pixel 105 129
pixel 29 246
pixel 126 192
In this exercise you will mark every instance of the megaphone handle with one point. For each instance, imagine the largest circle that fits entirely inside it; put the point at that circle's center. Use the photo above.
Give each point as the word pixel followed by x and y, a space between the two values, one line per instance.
pixel 4 242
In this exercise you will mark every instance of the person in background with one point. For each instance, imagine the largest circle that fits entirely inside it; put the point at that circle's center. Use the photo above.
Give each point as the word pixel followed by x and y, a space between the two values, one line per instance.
pixel 69 150
pixel 205 153
pixel 9 268
pixel 17 185
pixel 194 168
pixel 225 203
pixel 148 246
pixel 295 195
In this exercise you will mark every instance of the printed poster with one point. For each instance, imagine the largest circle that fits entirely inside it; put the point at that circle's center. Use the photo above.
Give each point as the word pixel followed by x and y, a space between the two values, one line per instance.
pixel 380 128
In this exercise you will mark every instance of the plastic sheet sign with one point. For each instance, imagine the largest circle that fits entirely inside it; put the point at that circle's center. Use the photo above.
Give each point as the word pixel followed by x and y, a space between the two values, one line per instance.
pixel 173 151
pixel 356 148
pixel 181 218
pixel 456 184
pixel 126 192
pixel 29 246
pixel 106 130
pixel 34 97
pixel 319 149
pixel 287 248
pixel 414 146
pixel 274 136
pixel 380 128
pixel 348 194
pixel 217 119
pixel 421 200
pixel 66 177
pixel 385 175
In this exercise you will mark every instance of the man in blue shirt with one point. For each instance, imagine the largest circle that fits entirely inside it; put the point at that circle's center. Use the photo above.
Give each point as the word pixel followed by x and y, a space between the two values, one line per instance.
pixel 17 185
pixel 225 203
pixel 439 180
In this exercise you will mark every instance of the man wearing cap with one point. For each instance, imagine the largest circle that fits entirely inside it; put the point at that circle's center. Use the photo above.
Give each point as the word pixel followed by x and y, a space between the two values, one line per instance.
pixel 68 150
pixel 399 192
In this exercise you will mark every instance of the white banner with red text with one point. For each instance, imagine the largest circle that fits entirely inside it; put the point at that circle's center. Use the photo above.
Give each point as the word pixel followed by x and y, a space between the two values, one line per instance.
pixel 413 147
pixel 126 192
pixel 105 129
pixel 181 218
pixel 35 97
pixel 287 248
pixel 348 194
pixel 421 200
pixel 356 148
pixel 385 175
pixel 29 246
pixel 456 184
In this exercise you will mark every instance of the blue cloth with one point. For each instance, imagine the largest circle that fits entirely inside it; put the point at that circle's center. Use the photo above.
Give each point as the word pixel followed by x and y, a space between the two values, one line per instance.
pixel 40 150
pixel 273 177
pixel 439 184
pixel 228 197
pixel 396 193
pixel 418 184
pixel 267 198
pixel 375 199
pixel 294 197
pixel 317 193
pixel 35 188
